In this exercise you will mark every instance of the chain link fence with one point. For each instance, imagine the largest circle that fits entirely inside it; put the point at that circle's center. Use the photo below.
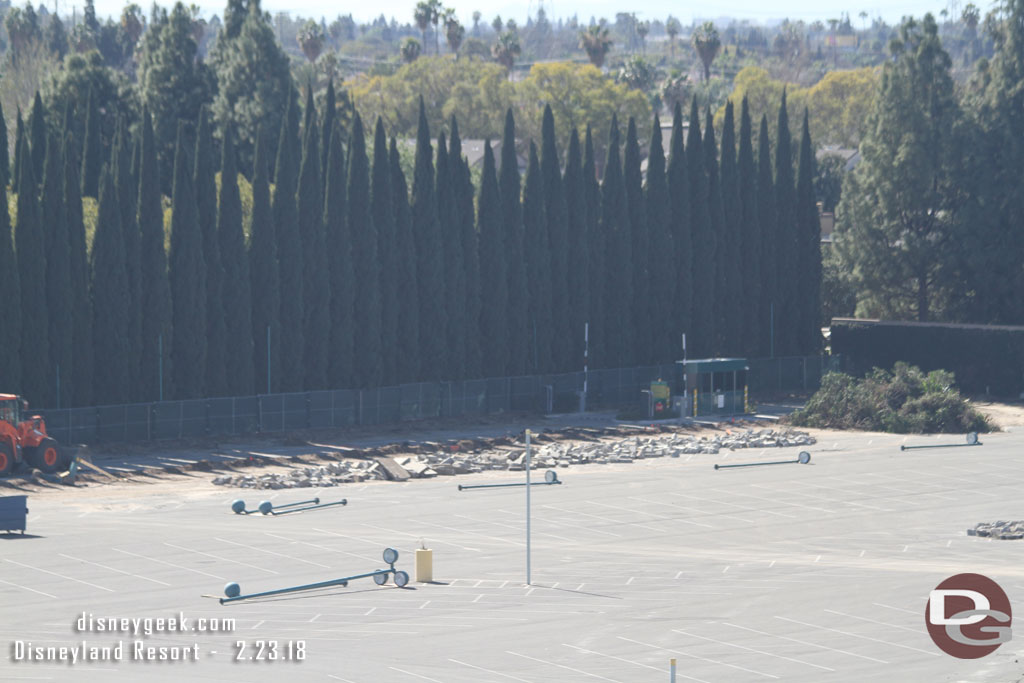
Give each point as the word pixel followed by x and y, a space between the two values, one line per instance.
pixel 612 388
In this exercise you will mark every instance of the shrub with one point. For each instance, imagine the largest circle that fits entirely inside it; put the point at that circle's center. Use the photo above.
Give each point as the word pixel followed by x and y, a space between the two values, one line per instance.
pixel 905 400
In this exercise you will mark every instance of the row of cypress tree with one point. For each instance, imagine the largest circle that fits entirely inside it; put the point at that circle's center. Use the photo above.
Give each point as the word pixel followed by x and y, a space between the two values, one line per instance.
pixel 349 278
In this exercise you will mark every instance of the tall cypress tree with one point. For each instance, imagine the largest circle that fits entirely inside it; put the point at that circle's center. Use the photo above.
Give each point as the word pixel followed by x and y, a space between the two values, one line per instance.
pixel 430 260
pixel 30 247
pixel 577 251
pixel 341 363
pixel 187 276
pixel 786 243
pixel 556 217
pixel 728 293
pixel 452 360
pixel 127 198
pixel 19 134
pixel 408 367
pixel 264 276
pixel 640 351
pixel 81 309
pixel 236 291
pixel 327 126
pixel 538 267
pixel 470 254
pixel 366 304
pixel 155 288
pixel 808 268
pixel 719 306
pixel 494 338
pixel 316 287
pixel 59 294
pixel 37 136
pixel 383 209
pixel 618 291
pixel 454 261
pixel 702 240
pixel 10 306
pixel 92 149
pixel 291 373
pixel 512 215
pixel 5 160
pixel 749 239
pixel 110 297
pixel 660 252
pixel 596 314
pixel 768 309
pixel 680 229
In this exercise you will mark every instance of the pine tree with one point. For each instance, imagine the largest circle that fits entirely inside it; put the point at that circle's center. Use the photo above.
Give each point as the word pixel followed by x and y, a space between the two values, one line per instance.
pixel 702 241
pixel 577 249
pixel 768 309
pixel 187 276
pixel 728 294
pixel 127 187
pixel 538 267
pixel 470 251
pixel 10 306
pixel 408 369
pixel 37 136
pixel 786 306
pixel 808 268
pixel 366 268
pixel 512 214
pixel 556 218
pixel 494 336
pixel 110 297
pixel 291 373
pixel 81 308
pixel 640 351
pixel 92 150
pixel 264 277
pixel 204 182
pixel 618 283
pixel 5 160
pixel 316 287
pixel 749 239
pixel 596 314
pixel 30 247
pixel 680 230
pixel 383 209
pixel 238 360
pixel 454 261
pixel 59 295
pixel 155 289
pixel 430 260
pixel 660 252
pixel 341 363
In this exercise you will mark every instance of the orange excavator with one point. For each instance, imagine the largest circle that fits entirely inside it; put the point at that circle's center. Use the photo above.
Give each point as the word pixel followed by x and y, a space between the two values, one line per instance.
pixel 25 440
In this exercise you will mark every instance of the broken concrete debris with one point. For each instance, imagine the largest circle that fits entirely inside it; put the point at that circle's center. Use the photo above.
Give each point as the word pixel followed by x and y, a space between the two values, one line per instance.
pixel 1006 531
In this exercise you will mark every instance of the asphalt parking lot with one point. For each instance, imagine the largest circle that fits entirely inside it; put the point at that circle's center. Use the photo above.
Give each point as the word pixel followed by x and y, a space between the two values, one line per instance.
pixel 791 573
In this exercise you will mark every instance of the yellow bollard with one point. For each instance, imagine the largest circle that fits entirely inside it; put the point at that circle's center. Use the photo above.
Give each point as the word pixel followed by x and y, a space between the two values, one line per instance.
pixel 424 565
pixel 695 403
pixel 746 404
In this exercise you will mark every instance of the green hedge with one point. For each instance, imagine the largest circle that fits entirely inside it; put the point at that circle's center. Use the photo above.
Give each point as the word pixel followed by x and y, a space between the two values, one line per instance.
pixel 983 358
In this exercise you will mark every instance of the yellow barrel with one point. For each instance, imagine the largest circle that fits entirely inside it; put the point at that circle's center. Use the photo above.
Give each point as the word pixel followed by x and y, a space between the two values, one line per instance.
pixel 424 565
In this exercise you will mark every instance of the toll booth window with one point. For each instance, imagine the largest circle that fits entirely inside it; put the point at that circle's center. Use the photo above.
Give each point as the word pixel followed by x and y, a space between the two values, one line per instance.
pixel 9 412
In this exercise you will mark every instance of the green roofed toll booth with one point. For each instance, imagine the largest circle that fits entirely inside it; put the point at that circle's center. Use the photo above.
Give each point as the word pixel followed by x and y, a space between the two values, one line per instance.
pixel 714 386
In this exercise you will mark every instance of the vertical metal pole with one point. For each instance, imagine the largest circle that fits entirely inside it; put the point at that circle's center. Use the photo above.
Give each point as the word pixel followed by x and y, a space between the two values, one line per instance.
pixel 160 363
pixel 528 507
pixel 268 359
pixel 586 362
pixel 672 670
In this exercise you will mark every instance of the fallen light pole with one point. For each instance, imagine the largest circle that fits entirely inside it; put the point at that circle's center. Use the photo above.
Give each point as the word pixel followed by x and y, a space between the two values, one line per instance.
pixel 267 508
pixel 972 440
pixel 802 459
pixel 233 591
pixel 238 506
pixel 550 478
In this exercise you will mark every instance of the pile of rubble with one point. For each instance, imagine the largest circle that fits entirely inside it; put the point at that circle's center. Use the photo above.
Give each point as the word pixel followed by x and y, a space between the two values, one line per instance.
pixel 1007 531
pixel 511 457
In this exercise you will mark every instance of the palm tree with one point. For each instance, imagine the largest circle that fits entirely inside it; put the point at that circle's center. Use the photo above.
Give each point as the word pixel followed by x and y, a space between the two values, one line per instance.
pixel 596 42
pixel 476 22
pixel 507 49
pixel 410 50
pixel 422 16
pixel 436 10
pixel 311 40
pixel 454 32
pixel 707 45
pixel 642 29
pixel 672 28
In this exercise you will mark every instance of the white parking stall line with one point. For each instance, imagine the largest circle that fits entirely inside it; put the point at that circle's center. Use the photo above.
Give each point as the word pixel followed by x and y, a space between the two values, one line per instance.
pixel 489 538
pixel 169 564
pixel 660 518
pixel 271 552
pixel 570 525
pixel 418 536
pixel 628 661
pixel 62 576
pixel 113 569
pixel 610 520
pixel 873 621
pixel 490 671
pixel 804 642
pixel 220 559
pixel 28 589
pixel 409 673
pixel 703 659
pixel 323 547
pixel 751 649
pixel 563 666
pixel 857 635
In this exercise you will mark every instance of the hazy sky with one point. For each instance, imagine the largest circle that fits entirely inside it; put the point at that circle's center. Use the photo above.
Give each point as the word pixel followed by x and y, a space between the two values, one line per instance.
pixel 755 10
